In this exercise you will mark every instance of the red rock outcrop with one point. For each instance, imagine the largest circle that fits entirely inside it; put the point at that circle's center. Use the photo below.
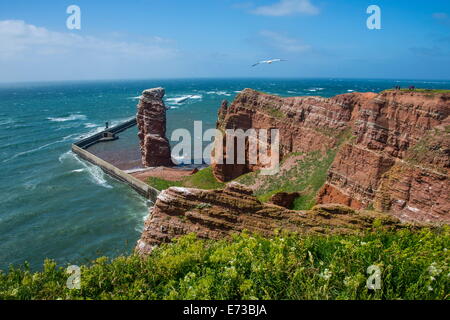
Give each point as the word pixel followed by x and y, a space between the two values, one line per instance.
pixel 305 124
pixel 217 214
pixel 382 164
pixel 151 120
pixel 284 199
pixel 399 159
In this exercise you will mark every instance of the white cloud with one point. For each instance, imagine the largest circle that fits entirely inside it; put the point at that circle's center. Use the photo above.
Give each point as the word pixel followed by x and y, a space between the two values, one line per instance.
pixel 283 43
pixel 20 39
pixel 286 8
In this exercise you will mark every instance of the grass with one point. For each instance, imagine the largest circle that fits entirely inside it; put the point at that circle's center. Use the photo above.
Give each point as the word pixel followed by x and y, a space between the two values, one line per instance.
pixel 161 184
pixel 430 146
pixel 274 112
pixel 307 176
pixel 413 265
pixel 204 179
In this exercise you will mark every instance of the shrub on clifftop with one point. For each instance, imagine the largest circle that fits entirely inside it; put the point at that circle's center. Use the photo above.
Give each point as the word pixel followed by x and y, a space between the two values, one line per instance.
pixel 414 265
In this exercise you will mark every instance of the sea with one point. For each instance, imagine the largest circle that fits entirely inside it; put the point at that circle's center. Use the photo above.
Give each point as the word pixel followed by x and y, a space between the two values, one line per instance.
pixel 53 205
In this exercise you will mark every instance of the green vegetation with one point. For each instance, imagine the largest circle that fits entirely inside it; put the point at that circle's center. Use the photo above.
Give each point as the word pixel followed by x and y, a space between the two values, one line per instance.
pixel 274 112
pixel 204 179
pixel 413 265
pixel 431 146
pixel 161 184
pixel 306 176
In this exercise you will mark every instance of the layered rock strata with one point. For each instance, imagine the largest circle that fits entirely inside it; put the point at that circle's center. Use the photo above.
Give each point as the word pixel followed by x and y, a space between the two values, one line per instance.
pixel 399 160
pixel 305 124
pixel 396 159
pixel 151 121
pixel 217 214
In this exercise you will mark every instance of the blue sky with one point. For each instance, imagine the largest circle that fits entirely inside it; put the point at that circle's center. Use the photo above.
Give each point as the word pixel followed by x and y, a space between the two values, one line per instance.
pixel 222 38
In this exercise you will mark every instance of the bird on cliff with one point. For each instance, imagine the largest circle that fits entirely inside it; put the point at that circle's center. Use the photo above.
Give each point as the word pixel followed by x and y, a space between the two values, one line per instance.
pixel 270 61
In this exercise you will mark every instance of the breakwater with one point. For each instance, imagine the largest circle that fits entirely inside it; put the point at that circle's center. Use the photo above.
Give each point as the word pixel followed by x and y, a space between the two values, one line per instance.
pixel 95 138
pixel 79 148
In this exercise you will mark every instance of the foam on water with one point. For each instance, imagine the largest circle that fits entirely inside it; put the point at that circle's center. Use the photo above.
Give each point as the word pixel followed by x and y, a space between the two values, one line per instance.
pixel 95 174
pixel 72 117
pixel 55 205
pixel 135 98
pixel 219 93
pixel 69 137
pixel 6 121
pixel 184 98
pixel 315 89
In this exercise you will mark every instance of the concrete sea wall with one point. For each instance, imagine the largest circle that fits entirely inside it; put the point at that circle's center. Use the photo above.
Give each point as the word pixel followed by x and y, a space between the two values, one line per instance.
pixel 89 141
pixel 79 148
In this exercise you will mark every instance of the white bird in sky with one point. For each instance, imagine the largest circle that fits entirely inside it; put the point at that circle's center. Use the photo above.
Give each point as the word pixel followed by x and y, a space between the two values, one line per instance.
pixel 268 61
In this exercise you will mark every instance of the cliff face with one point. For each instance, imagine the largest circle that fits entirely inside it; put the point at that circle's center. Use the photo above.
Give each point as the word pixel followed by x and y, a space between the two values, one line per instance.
pixel 396 160
pixel 305 124
pixel 151 120
pixel 389 151
pixel 217 214
pixel 399 160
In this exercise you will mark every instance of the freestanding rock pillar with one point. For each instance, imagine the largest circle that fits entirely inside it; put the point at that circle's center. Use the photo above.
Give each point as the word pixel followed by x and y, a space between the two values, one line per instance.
pixel 151 120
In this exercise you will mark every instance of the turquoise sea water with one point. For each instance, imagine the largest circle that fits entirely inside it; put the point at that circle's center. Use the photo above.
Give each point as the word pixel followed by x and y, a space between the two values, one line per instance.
pixel 54 205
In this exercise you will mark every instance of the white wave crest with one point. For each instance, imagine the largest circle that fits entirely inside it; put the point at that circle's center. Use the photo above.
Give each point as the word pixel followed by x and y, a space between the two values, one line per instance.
pixel 72 117
pixel 72 136
pixel 315 89
pixel 219 93
pixel 66 155
pixel 6 121
pixel 96 175
pixel 99 128
pixel 135 98
pixel 181 99
pixel 90 125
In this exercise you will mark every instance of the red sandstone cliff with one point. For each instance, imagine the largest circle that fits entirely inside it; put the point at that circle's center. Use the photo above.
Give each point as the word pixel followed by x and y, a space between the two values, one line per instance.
pixel 151 120
pixel 397 159
pixel 217 214
pixel 305 123
pixel 391 151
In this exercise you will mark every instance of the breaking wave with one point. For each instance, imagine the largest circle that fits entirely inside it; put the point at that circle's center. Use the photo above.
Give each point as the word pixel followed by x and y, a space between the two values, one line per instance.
pixel 181 99
pixel 315 89
pixel 95 174
pixel 72 117
pixel 90 125
pixel 219 93
pixel 69 137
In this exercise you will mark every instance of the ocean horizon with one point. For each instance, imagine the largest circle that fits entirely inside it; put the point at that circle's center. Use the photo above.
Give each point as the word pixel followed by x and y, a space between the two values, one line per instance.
pixel 55 205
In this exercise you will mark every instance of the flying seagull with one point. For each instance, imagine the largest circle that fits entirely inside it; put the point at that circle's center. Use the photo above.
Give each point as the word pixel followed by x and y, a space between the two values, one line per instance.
pixel 268 61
